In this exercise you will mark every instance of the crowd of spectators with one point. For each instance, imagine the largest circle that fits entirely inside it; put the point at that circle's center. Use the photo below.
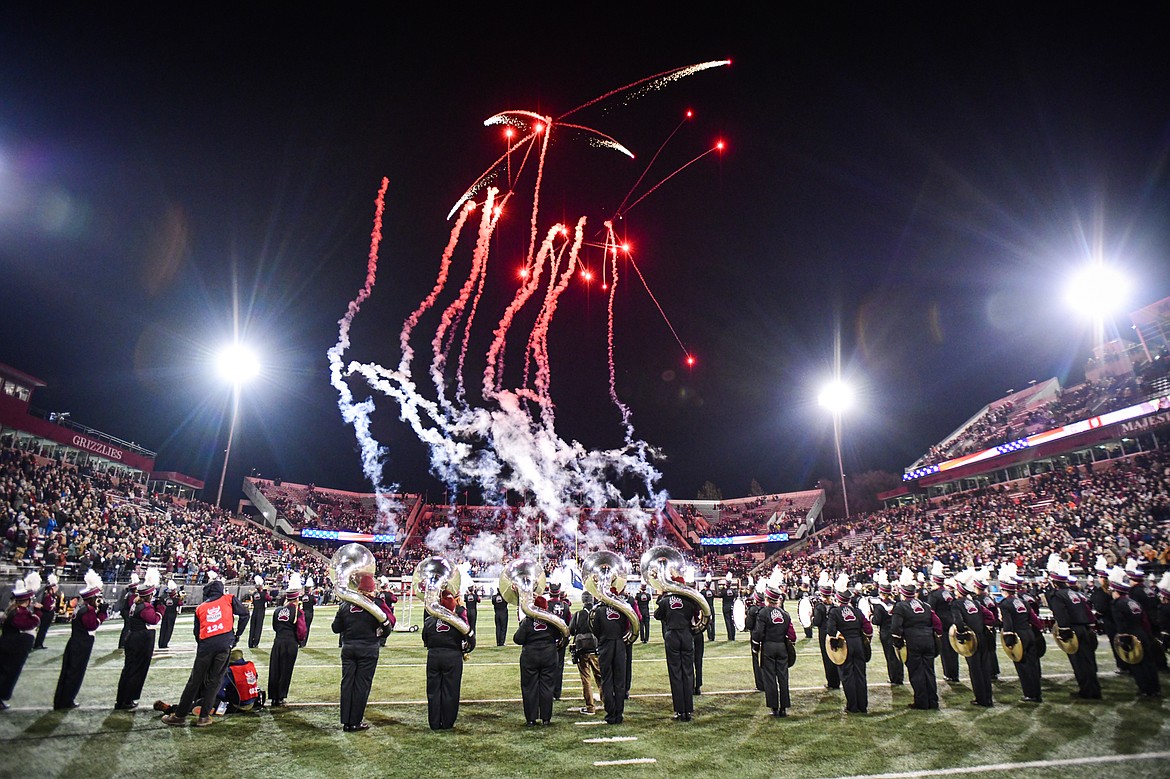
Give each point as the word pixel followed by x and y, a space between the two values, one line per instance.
pixel 1008 420
pixel 1121 511
pixel 53 516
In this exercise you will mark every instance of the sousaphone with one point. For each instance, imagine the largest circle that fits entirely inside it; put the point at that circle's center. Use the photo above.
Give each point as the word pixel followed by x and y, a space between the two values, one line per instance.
pixel 1013 647
pixel 965 642
pixel 1129 648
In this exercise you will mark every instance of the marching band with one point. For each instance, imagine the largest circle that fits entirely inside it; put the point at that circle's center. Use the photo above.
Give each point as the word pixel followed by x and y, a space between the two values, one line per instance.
pixel 957 616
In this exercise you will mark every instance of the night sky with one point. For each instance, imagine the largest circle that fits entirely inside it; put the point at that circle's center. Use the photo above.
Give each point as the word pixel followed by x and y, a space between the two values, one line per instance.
pixel 918 182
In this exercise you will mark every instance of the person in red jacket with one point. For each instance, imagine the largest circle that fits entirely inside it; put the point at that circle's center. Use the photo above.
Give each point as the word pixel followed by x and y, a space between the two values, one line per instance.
pixel 17 636
pixel 213 631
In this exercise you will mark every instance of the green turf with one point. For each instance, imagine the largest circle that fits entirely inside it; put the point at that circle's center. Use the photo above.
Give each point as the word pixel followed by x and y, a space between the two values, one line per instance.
pixel 731 734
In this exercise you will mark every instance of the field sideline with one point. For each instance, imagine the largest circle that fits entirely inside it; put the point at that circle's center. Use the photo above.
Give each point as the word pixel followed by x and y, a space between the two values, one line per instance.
pixel 731 733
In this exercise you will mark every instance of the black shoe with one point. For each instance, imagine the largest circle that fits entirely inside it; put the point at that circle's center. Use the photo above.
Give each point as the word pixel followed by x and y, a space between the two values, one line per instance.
pixel 38 647
pixel 546 722
pixel 356 728
pixel 530 723
pixel 126 706
pixel 698 691
pixel 3 706
pixel 951 679
pixel 678 716
pixel 1027 699
pixel 686 717
pixel 67 706
pixel 984 705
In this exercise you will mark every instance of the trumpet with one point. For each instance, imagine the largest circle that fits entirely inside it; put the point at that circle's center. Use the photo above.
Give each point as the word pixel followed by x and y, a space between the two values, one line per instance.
pixel 603 572
pixel 659 566
pixel 347 563
pixel 432 577
pixel 520 582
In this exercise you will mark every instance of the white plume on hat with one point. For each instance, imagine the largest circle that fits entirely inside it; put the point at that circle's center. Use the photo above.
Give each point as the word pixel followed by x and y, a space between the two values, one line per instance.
pixel 1133 568
pixel 1007 573
pixel 1102 565
pixel 21 589
pixel 171 585
pixel 134 579
pixel 880 578
pixel 294 582
pixel 824 582
pixel 842 583
pixel 907 578
pixel 92 579
pixel 258 579
pixel 937 570
pixel 1118 577
pixel 33 581
pixel 965 580
pixel 1164 584
pixel 53 580
pixel 1057 567
pixel 152 577
pixel 212 576
pixel 309 582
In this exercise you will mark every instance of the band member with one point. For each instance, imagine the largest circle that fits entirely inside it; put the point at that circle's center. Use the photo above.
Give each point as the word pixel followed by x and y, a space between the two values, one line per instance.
pixel 17 635
pixel 629 646
pixel 46 609
pixel 677 615
pixel 642 599
pixel 972 619
pixel 700 648
pixel 361 635
pixel 143 621
pixel 614 635
pixel 728 596
pixel 214 639
pixel 880 616
pixel 1101 601
pixel 1021 624
pixel 1073 617
pixel 1163 635
pixel 773 637
pixel 446 647
pixel 820 613
pixel 984 599
pixel 87 616
pixel 288 623
pixel 260 598
pixel 583 651
pixel 125 601
pixel 846 622
pixel 915 626
pixel 709 593
pixel 1146 594
pixel 754 604
pixel 471 600
pixel 940 601
pixel 1133 627
pixel 308 604
pixel 559 606
pixel 500 606
pixel 538 660
pixel 170 600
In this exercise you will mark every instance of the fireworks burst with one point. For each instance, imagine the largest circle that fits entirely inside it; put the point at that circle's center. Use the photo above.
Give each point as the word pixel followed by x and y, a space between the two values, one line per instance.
pixel 501 436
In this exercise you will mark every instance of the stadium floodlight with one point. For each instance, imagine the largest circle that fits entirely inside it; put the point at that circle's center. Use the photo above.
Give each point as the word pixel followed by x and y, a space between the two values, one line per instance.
pixel 1098 290
pixel 837 397
pixel 237 364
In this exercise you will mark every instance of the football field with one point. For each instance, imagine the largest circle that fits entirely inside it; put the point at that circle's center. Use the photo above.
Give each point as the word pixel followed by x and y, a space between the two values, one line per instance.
pixel 731 735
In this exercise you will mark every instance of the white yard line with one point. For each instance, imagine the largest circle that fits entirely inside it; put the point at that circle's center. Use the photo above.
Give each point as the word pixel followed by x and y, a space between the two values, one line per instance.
pixel 631 761
pixel 996 768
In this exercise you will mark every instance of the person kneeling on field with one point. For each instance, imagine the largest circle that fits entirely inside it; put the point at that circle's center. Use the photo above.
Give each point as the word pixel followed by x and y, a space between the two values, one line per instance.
pixel 213 623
